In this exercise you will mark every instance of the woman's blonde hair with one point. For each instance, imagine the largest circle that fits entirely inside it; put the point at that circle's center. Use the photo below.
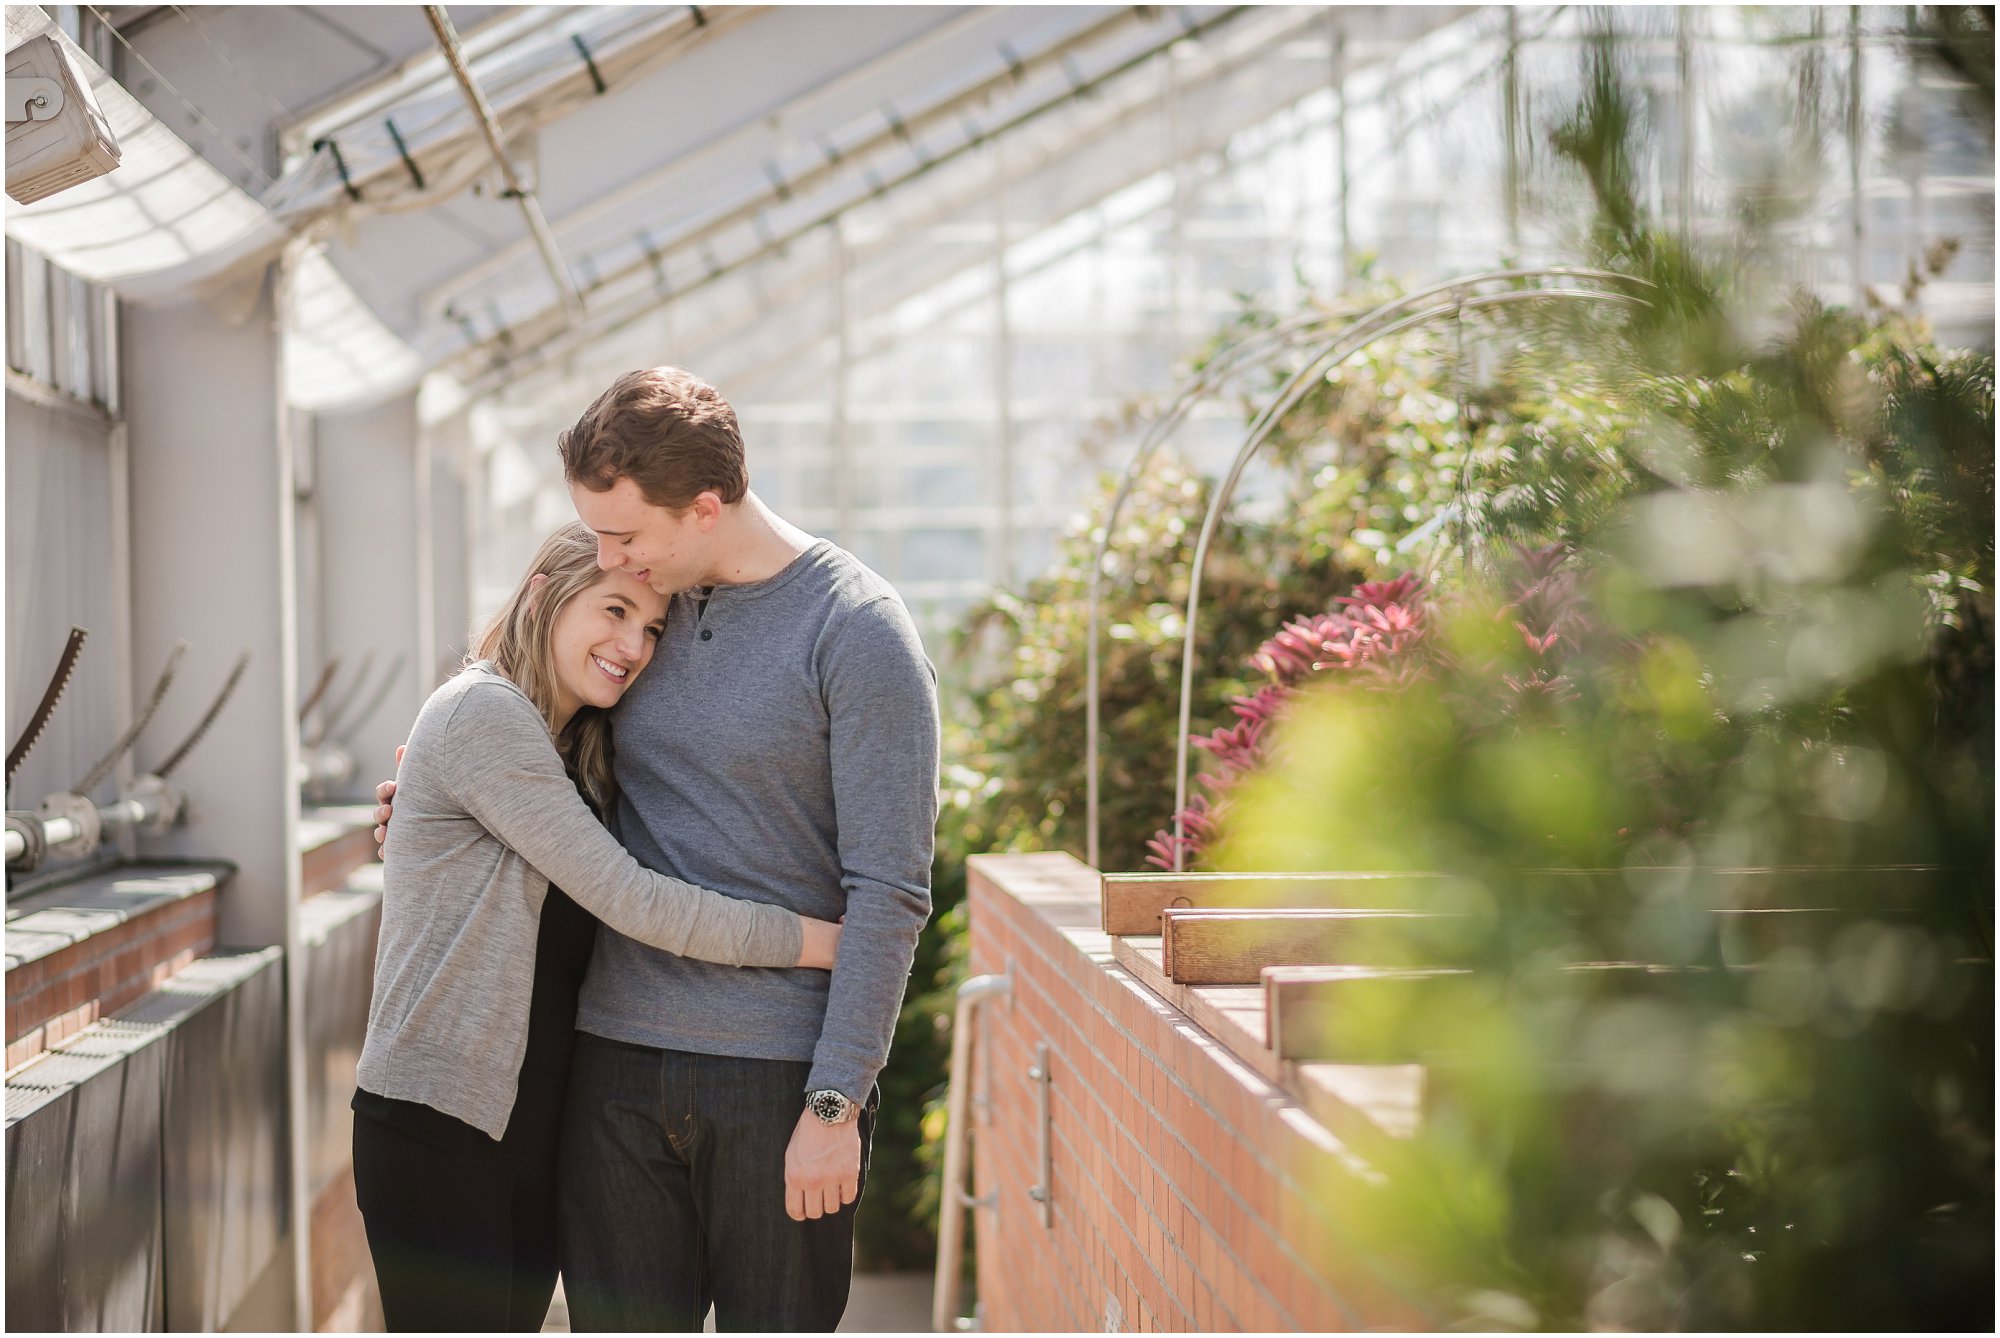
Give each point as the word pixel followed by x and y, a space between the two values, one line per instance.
pixel 519 642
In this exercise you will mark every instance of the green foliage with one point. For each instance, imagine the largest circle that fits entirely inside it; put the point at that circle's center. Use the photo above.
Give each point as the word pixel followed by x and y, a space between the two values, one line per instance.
pixel 1362 480
pixel 1789 665
pixel 1782 518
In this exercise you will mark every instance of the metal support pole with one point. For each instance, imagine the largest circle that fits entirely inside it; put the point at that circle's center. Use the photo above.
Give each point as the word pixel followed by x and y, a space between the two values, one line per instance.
pixel 1510 129
pixel 840 439
pixel 531 209
pixel 1344 227
pixel 426 573
pixel 1684 52
pixel 1910 147
pixel 1003 381
pixel 295 977
pixel 953 1200
pixel 1858 211
pixel 120 443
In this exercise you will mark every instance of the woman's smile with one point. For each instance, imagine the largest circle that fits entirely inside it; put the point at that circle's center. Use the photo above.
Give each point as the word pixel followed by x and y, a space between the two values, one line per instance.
pixel 601 639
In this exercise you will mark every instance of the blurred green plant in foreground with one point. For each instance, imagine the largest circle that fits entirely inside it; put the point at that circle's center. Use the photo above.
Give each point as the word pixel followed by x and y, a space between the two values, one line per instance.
pixel 1649 1108
pixel 1776 651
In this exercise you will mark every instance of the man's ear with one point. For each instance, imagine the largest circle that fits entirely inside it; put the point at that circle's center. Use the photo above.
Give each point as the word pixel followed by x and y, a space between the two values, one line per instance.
pixel 707 507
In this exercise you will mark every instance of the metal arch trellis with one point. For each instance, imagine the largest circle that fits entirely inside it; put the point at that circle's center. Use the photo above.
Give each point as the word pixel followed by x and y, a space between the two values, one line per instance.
pixel 1390 318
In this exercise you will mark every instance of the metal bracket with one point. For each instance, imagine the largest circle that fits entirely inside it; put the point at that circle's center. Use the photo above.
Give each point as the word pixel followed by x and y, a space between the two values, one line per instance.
pixel 33 100
pixel 86 829
pixel 1043 1191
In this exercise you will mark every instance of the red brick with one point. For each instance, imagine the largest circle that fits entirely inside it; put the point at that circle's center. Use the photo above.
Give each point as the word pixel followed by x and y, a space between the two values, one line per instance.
pixel 26 977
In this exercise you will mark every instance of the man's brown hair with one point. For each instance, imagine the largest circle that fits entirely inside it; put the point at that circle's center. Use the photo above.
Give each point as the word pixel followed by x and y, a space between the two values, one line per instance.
pixel 668 431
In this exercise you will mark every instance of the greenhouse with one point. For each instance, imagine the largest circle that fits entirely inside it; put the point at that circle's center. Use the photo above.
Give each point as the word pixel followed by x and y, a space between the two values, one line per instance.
pixel 1223 668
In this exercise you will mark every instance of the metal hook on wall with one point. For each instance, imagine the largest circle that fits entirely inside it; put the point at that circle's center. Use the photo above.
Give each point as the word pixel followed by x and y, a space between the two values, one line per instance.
pixel 65 666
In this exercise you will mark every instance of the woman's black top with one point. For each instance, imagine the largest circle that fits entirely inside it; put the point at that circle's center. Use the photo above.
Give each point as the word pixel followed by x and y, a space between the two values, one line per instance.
pixel 562 954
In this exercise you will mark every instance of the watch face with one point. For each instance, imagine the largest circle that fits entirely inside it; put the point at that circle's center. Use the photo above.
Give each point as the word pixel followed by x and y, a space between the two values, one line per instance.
pixel 831 1107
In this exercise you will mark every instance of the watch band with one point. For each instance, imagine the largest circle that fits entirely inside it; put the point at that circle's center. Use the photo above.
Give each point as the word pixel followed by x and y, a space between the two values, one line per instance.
pixel 832 1107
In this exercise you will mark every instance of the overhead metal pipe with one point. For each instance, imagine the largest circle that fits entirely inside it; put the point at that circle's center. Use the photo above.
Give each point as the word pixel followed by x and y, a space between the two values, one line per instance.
pixel 531 209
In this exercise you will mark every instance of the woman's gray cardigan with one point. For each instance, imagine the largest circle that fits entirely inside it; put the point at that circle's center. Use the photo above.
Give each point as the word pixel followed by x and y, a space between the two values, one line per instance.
pixel 485 820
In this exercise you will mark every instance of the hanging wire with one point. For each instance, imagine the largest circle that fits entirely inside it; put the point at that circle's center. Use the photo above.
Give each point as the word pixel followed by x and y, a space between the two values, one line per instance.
pixel 283 114
pixel 193 110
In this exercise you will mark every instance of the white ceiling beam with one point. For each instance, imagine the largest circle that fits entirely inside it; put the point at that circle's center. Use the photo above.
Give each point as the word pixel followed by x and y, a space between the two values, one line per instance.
pixel 442 296
pixel 536 334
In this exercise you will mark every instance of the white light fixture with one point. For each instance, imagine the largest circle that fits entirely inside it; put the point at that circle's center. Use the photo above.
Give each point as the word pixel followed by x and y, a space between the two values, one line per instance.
pixel 56 135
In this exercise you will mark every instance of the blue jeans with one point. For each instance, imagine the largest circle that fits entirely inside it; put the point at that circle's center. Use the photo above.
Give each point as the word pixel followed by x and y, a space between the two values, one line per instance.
pixel 672 1196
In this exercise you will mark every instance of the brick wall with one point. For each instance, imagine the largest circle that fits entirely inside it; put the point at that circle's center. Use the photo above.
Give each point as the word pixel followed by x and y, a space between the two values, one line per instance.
pixel 54 996
pixel 1189 1193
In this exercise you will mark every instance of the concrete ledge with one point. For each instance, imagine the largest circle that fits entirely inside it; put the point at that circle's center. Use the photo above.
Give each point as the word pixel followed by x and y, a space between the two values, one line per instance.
pixel 80 951
pixel 57 917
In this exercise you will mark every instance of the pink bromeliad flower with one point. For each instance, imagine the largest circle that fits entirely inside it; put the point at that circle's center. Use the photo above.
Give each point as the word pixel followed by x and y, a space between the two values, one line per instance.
pixel 1381 632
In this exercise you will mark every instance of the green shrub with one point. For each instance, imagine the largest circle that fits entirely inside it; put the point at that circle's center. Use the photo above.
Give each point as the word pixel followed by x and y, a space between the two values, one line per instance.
pixel 1795 669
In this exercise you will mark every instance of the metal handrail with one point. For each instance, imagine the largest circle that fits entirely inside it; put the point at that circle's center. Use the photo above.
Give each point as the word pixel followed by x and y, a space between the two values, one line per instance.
pixel 1251 352
pixel 952 1198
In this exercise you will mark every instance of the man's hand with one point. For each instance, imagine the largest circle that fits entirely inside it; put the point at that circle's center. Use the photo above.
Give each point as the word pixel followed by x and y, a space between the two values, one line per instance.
pixel 822 1167
pixel 385 795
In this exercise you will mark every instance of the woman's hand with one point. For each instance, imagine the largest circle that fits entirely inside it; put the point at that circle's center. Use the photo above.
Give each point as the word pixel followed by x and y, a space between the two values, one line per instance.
pixel 385 795
pixel 821 941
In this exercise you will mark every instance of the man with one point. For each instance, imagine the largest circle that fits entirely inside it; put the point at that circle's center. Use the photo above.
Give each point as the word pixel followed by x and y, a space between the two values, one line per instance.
pixel 782 747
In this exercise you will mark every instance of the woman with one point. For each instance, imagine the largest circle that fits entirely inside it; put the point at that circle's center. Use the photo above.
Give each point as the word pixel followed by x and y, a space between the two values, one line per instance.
pixel 463 1073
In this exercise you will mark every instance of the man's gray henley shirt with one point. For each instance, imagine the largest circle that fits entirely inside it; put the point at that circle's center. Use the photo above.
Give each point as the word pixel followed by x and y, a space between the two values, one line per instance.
pixel 782 748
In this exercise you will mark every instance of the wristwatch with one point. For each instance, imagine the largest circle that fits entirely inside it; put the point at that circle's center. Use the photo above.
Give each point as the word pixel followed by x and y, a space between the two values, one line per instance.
pixel 832 1107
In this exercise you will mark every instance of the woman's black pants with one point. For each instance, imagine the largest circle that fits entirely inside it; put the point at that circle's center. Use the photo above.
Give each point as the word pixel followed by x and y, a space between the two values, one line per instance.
pixel 463 1228
pixel 463 1237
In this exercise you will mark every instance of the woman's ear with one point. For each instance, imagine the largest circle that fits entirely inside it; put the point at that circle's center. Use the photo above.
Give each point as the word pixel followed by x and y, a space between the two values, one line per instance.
pixel 535 584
